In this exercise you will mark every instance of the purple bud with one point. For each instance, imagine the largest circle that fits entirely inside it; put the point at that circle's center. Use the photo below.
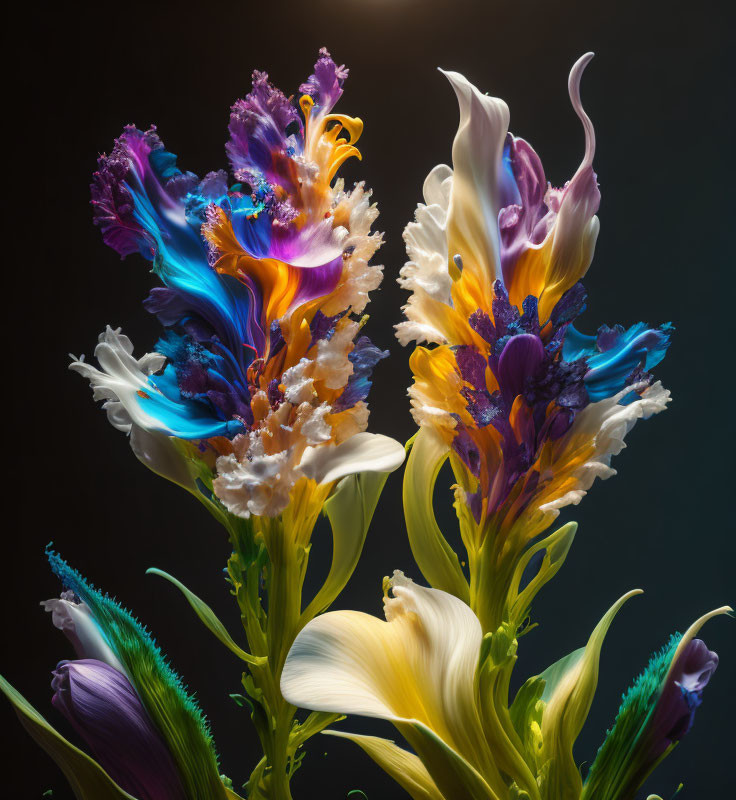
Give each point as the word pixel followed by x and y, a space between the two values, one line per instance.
pixel 106 712
pixel 675 710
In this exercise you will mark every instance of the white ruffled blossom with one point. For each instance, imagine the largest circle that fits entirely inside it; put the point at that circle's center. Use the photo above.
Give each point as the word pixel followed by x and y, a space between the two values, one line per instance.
pixel 120 379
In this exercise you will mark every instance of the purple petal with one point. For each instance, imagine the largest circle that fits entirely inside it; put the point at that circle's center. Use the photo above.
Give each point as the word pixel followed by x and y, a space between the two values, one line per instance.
pixel 520 360
pixel 504 314
pixel 675 710
pixel 526 221
pixel 569 306
pixel 325 85
pixel 481 323
pixel 364 357
pixel 260 126
pixel 467 449
pixel 106 712
pixel 471 365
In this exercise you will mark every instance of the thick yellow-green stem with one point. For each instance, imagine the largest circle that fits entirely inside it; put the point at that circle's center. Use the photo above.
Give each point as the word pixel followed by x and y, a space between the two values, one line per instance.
pixel 269 562
pixel 499 547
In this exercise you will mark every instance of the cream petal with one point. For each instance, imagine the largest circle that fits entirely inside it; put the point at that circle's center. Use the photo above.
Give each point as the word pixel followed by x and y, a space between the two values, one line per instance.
pixel 417 667
pixel 363 452
pixel 575 231
pixel 472 222
pixel 158 452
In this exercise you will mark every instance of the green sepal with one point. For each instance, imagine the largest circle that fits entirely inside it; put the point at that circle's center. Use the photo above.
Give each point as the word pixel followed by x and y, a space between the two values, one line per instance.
pixel 455 778
pixel 556 546
pixel 86 777
pixel 435 558
pixel 526 716
pixel 350 510
pixel 174 459
pixel 210 620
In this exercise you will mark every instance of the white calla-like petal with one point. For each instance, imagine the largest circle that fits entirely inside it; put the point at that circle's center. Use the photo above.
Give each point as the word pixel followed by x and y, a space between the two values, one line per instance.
pixel 417 666
pixel 363 452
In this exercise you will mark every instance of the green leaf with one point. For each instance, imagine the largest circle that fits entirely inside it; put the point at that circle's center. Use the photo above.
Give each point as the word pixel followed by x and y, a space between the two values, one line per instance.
pixel 86 777
pixel 350 510
pixel 207 615
pixel 435 558
pixel 568 696
pixel 555 673
pixel 555 547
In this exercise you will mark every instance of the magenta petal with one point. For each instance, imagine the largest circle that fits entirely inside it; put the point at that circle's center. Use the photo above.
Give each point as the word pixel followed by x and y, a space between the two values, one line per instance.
pixel 106 712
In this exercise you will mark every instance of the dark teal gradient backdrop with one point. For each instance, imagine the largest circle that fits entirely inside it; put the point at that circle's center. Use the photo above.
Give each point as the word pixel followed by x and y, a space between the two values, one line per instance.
pixel 660 94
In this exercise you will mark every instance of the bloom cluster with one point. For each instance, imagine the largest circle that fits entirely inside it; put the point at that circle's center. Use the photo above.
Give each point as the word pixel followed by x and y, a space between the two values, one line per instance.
pixel 255 401
pixel 532 407
pixel 262 364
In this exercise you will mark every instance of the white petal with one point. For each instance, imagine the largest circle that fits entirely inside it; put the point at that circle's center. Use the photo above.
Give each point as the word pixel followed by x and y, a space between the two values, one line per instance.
pixel 426 274
pixel 120 379
pixel 76 622
pixel 364 452
pixel 159 453
pixel 332 364
pixel 418 665
pixel 298 383
pixel 472 221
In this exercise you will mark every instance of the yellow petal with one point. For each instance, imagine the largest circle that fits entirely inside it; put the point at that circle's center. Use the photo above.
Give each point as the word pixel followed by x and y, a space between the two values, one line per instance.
pixel 404 767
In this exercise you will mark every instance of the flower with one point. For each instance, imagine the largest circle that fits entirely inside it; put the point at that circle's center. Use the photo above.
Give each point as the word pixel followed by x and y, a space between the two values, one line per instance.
pixel 528 409
pixel 655 714
pixel 430 671
pixel 261 359
pixel 121 696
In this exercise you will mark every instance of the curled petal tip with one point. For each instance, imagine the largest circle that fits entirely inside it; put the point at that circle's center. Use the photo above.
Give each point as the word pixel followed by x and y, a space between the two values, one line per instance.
pixel 573 87
pixel 693 630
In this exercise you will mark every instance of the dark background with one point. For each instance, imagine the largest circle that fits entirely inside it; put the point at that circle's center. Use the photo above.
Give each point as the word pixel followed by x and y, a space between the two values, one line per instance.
pixel 658 93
